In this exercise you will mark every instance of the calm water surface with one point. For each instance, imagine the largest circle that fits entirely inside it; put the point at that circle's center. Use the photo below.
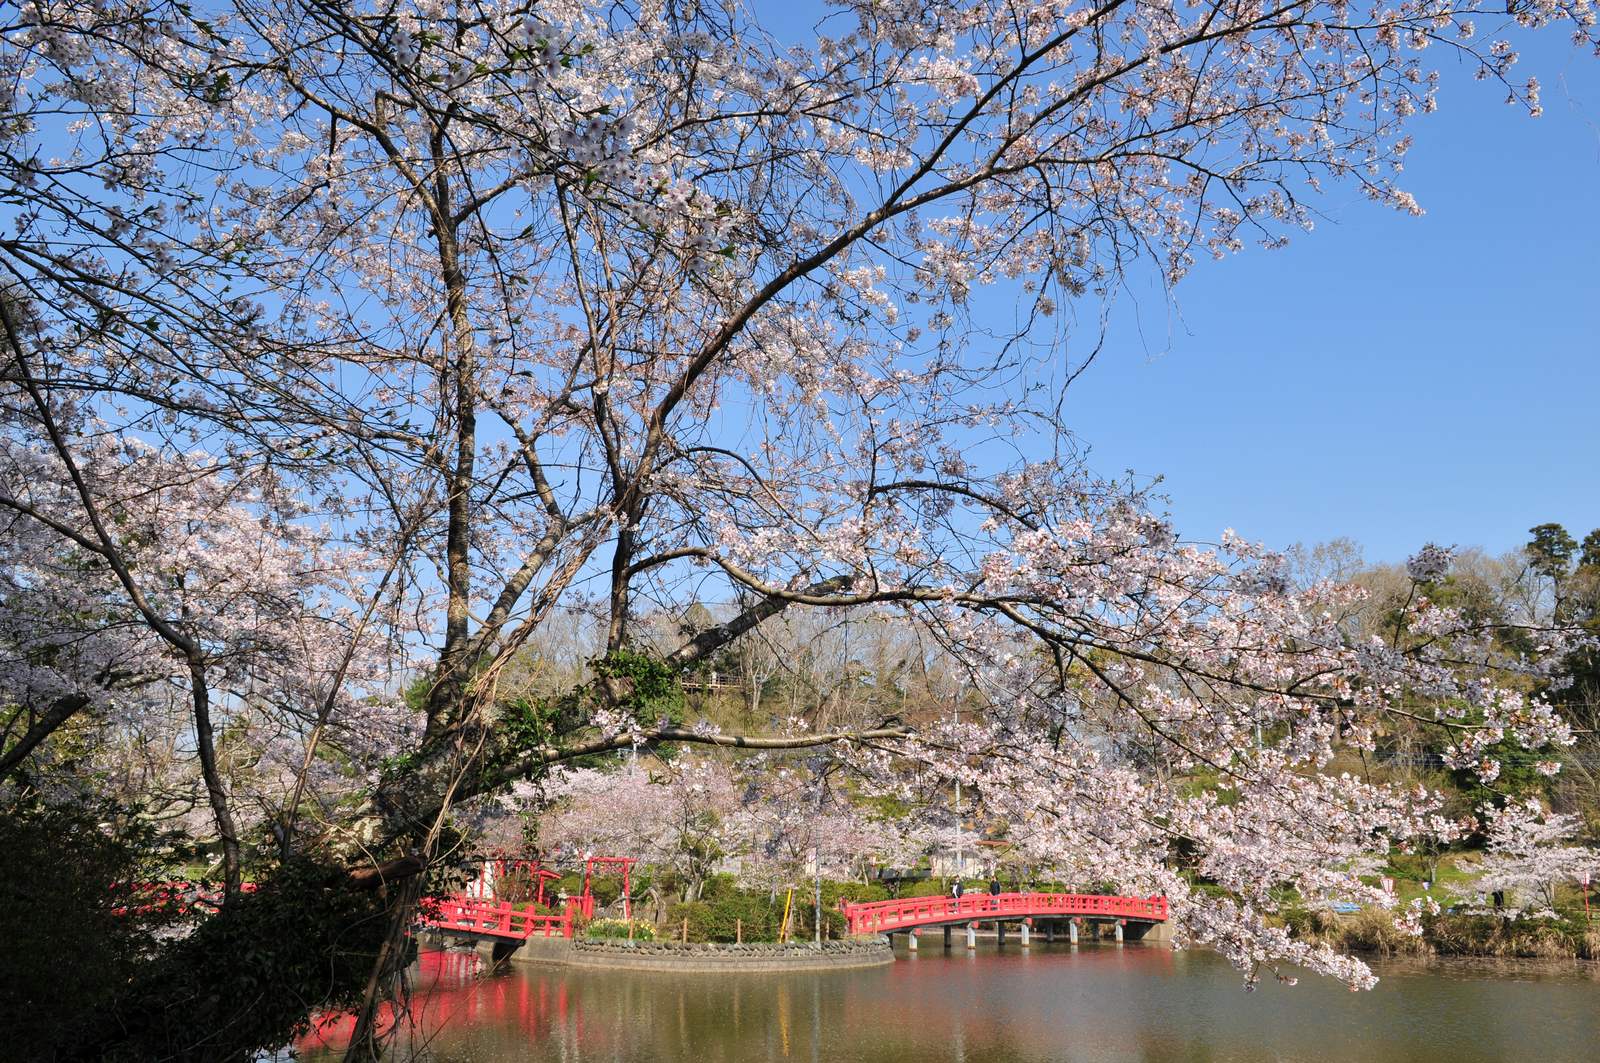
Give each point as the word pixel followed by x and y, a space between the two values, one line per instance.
pixel 1097 1003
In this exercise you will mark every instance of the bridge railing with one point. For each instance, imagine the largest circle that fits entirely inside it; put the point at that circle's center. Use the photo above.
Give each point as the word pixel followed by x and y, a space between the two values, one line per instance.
pixel 881 916
pixel 496 919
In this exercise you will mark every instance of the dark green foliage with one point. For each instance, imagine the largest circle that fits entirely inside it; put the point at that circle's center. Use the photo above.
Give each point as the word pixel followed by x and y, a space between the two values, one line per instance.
pixel 721 918
pixel 928 887
pixel 67 951
pixel 1550 551
pixel 87 977
pixel 250 978
pixel 1479 601
pixel 526 723
pixel 1590 558
pixel 654 690
pixel 608 889
pixel 651 691
pixel 724 908
pixel 1580 672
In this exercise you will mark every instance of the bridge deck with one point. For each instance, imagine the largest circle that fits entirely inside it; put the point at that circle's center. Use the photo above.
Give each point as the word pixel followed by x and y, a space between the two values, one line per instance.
pixel 881 917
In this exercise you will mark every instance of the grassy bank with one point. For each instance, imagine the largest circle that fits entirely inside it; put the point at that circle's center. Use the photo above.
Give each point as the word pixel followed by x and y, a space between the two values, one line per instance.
pixel 1374 932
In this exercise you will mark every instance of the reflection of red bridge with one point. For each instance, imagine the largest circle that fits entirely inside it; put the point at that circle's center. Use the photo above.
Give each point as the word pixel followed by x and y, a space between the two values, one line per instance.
pixel 453 1000
pixel 556 1013
pixel 912 913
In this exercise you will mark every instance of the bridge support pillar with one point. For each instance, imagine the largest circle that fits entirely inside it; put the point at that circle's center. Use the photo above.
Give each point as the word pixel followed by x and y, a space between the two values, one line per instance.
pixel 911 941
pixel 496 951
pixel 972 935
pixel 947 939
pixel 1050 930
pixel 1119 931
pixel 1000 933
pixel 1024 933
pixel 1072 931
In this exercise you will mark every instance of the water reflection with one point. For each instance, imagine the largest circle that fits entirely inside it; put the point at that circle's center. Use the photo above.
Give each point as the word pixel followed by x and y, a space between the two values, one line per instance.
pixel 1097 1003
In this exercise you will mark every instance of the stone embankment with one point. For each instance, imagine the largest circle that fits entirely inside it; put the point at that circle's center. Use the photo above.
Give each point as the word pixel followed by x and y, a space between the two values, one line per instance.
pixel 675 957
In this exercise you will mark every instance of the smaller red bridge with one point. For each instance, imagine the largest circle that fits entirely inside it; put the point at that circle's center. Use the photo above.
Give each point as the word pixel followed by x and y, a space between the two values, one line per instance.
pixel 475 913
pixel 496 919
pixel 883 917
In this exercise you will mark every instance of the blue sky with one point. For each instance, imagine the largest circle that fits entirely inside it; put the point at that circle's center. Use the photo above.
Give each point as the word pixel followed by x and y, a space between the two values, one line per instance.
pixel 1388 378
pixel 1391 379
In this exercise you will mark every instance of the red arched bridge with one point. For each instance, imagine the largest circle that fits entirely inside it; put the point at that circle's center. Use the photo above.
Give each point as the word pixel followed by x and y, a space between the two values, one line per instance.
pixel 505 921
pixel 478 913
pixel 500 919
pixel 912 913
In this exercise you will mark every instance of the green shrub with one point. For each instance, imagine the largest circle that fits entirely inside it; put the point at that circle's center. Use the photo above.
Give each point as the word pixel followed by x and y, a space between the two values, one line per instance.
pixel 249 979
pixel 854 892
pixel 722 885
pixel 606 888
pixel 835 892
pixel 686 921
pixel 726 914
pixel 73 940
pixel 928 887
pixel 724 907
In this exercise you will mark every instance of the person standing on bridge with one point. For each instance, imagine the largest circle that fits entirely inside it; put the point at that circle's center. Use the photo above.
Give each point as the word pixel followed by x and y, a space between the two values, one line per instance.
pixel 994 891
pixel 956 891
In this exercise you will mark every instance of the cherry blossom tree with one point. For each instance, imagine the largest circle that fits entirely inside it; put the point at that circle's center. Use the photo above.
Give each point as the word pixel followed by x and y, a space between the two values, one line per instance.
pixel 677 817
pixel 604 307
pixel 1528 856
pixel 172 582
pixel 796 823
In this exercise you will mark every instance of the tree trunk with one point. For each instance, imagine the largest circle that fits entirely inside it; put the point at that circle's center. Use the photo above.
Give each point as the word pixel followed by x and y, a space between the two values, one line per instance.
pixel 59 712
pixel 205 742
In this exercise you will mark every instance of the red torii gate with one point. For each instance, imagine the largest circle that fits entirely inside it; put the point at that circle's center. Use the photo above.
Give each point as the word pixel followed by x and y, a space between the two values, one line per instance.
pixel 485 882
pixel 589 865
pixel 480 916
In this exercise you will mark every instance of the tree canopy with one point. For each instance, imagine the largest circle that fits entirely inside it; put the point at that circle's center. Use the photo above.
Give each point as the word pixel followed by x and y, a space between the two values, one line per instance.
pixel 347 343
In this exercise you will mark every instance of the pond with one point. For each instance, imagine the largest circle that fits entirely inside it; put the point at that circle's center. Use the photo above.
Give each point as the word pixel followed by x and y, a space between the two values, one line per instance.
pixel 1054 1003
